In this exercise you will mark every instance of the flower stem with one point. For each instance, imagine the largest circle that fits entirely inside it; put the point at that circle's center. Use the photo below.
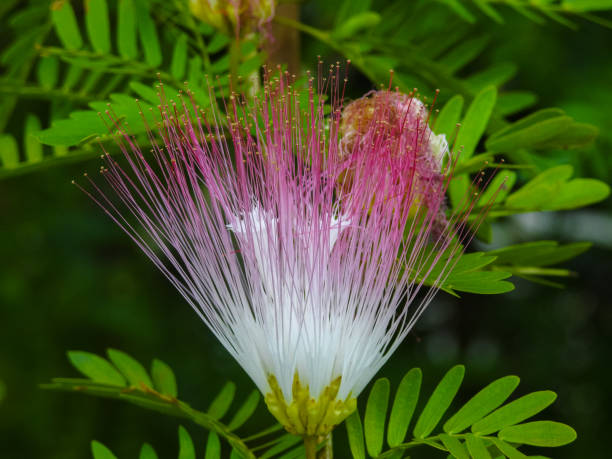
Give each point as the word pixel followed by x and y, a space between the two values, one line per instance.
pixel 311 444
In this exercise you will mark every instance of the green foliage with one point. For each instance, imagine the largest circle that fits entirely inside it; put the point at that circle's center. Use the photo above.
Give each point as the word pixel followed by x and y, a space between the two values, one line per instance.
pixel 375 416
pixel 124 378
pixel 86 69
pixel 65 25
pixel 354 430
pixel 439 402
pixel 537 12
pixel 496 429
pixel 87 73
pixel 403 406
pixel 482 403
pixel 163 377
pixel 484 426
pixel 147 452
pixel 186 448
pixel 553 190
pixel 222 402
pixel 544 129
pixel 96 368
pixel 539 433
pixel 134 372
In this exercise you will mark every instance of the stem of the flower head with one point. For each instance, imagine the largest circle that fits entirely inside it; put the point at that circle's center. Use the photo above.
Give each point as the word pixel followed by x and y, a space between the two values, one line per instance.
pixel 311 444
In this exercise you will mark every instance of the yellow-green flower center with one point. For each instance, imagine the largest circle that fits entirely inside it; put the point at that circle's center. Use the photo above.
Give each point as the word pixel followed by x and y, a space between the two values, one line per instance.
pixel 304 415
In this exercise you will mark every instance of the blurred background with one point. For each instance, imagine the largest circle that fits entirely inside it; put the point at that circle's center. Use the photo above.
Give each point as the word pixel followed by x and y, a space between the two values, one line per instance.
pixel 71 280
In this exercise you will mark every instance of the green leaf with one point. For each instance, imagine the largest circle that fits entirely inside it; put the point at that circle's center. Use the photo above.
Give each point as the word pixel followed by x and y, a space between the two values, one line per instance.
pixel 100 451
pixel 65 24
pixel 545 129
pixel 355 24
pixel 218 42
pixel 489 11
pixel 147 32
pixel 194 71
pixel 539 190
pixel 9 152
pixel 31 145
pixel 163 378
pixel 482 282
pixel 96 368
pixel 439 401
pixel 73 74
pixel 186 448
pixel 530 136
pixel 508 450
pixel 576 135
pixel 475 121
pixel 577 193
pixel 213 446
pixel 130 368
pixel 476 447
pixel 146 92
pixel 147 452
pixel 126 29
pixel 538 253
pixel 539 433
pixel 350 8
pixel 529 120
pixel 81 125
pixel 460 10
pixel 446 122
pixel 467 275
pixel 47 71
pixel 482 404
pixel 375 415
pixel 514 412
pixel 222 401
pixel 98 29
pixel 454 446
pixel 551 190
pixel 403 406
pixel 245 411
pixel 179 57
pixel 354 431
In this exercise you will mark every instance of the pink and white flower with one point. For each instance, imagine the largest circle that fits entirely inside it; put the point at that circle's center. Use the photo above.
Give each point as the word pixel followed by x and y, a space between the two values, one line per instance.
pixel 306 262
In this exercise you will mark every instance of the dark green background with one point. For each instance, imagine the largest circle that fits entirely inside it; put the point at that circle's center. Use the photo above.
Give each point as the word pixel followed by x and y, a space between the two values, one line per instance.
pixel 71 280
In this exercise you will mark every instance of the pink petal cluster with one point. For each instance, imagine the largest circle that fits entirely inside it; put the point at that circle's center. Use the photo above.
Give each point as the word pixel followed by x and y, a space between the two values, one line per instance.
pixel 403 120
pixel 301 258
